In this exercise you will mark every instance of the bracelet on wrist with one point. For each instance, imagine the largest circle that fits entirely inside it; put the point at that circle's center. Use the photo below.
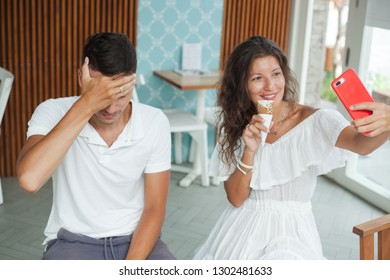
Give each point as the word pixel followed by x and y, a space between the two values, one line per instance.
pixel 245 165
pixel 242 171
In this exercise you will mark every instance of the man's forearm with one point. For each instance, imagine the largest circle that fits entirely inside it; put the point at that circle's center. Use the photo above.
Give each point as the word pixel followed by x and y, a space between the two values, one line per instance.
pixel 146 234
pixel 38 161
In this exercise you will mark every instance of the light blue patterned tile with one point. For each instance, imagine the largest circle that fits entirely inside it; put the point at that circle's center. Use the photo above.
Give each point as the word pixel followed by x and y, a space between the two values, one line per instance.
pixel 157 31
pixel 158 5
pixel 145 43
pixel 146 18
pixel 163 27
pixel 170 16
pixel 183 5
pixel 183 28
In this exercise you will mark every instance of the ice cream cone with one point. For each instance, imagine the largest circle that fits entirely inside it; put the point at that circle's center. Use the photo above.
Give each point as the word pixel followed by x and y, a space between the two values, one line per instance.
pixel 265 109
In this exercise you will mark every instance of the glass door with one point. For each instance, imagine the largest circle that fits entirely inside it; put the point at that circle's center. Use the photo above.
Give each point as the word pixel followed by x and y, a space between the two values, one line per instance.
pixel 367 50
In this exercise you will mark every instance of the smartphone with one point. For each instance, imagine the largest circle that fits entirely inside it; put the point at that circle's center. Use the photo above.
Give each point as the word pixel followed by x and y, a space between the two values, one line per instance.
pixel 350 90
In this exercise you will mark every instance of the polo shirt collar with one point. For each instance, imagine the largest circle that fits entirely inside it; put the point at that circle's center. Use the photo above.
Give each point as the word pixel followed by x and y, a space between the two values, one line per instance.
pixel 132 131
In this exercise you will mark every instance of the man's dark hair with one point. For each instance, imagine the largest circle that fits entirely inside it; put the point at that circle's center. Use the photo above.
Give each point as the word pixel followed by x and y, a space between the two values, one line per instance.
pixel 110 54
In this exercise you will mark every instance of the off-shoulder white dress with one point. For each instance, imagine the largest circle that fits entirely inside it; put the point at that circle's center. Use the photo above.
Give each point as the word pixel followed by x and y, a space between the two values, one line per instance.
pixel 276 221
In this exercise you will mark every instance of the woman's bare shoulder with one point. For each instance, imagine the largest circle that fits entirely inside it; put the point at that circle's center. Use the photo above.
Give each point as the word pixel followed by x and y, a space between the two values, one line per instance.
pixel 304 111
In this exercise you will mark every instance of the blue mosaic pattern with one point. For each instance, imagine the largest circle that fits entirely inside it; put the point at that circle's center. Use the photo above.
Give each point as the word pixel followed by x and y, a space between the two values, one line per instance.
pixel 163 27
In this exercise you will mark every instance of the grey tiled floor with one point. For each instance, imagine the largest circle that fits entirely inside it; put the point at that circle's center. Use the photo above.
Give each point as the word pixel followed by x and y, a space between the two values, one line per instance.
pixel 191 213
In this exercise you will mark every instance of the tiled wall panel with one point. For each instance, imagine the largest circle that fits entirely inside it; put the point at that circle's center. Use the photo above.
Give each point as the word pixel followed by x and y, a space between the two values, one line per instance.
pixel 163 28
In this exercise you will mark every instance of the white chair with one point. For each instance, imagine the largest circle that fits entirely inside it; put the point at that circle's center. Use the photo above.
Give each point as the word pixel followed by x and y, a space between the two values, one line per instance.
pixel 6 79
pixel 210 116
pixel 184 122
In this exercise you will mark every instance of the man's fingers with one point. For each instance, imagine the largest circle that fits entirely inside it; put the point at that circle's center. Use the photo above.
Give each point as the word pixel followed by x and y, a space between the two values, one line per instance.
pixel 124 84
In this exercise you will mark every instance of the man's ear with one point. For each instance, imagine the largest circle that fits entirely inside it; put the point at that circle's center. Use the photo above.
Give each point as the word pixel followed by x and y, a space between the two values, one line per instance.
pixel 79 76
pixel 83 72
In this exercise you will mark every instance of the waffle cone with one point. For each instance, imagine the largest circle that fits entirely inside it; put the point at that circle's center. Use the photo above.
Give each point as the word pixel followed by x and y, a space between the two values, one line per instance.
pixel 265 107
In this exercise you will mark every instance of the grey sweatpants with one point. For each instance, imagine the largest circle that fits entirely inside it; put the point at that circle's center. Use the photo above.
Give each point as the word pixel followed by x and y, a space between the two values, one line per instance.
pixel 73 246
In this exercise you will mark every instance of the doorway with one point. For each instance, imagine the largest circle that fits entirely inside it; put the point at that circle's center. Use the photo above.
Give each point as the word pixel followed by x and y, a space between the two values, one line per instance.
pixel 367 45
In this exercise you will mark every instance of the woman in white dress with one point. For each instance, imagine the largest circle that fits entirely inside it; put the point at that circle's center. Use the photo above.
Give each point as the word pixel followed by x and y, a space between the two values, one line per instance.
pixel 269 186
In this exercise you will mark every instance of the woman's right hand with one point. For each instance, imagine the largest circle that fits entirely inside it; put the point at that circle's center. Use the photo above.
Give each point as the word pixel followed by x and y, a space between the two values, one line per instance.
pixel 375 124
pixel 252 133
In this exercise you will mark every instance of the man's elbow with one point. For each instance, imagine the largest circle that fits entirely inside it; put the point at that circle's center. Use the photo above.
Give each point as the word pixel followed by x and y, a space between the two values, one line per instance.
pixel 27 183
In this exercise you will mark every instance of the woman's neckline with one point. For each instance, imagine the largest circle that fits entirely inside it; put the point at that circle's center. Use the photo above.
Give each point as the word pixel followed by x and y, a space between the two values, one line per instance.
pixel 293 129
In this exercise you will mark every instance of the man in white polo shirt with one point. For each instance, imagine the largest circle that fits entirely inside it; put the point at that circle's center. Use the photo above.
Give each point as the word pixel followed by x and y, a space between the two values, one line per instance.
pixel 109 160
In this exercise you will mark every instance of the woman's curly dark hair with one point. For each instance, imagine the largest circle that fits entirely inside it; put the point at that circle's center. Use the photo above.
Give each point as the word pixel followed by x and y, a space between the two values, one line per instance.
pixel 233 99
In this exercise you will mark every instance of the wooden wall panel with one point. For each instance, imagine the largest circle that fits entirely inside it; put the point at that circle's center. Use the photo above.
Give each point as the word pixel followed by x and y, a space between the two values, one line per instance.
pixel 41 43
pixel 245 18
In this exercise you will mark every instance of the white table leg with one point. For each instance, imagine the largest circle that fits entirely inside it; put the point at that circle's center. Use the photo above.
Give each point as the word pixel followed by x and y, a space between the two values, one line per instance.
pixel 200 154
pixel 200 109
pixel 201 161
pixel 200 104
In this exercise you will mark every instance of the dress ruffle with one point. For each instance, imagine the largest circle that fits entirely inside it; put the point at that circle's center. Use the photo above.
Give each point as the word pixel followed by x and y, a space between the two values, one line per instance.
pixel 310 146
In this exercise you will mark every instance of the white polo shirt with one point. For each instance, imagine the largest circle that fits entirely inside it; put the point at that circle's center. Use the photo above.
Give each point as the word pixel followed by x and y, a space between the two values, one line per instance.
pixel 99 190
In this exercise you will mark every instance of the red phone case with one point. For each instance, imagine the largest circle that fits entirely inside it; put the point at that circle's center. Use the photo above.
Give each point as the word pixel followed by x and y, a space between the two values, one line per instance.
pixel 350 90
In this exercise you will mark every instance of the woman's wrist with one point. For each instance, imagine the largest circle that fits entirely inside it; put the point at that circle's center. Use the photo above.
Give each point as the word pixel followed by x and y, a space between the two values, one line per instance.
pixel 241 169
pixel 247 166
pixel 245 163
pixel 248 157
